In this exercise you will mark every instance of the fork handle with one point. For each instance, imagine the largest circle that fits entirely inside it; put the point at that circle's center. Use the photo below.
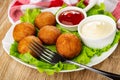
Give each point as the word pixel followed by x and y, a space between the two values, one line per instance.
pixel 104 73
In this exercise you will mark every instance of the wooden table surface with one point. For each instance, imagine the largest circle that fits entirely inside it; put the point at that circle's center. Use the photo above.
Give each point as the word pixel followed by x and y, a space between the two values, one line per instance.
pixel 13 70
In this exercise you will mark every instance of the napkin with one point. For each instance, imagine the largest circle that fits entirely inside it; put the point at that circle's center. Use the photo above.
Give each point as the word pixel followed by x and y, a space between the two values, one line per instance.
pixel 17 7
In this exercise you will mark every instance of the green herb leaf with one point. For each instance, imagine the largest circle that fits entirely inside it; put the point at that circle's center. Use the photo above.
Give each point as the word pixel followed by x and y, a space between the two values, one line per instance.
pixel 14 50
pixel 67 66
pixel 81 4
pixel 100 9
pixel 82 58
pixel 63 30
pixel 51 47
pixel 30 15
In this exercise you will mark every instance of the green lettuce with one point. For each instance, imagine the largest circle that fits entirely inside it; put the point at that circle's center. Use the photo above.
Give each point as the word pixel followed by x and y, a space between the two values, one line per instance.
pixel 14 50
pixel 30 15
pixel 63 30
pixel 67 66
pixel 97 9
pixel 100 9
pixel 81 4
pixel 51 47
pixel 117 38
pixel 82 58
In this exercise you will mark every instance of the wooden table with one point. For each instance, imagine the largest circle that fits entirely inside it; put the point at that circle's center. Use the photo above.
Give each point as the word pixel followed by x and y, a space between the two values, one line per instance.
pixel 13 70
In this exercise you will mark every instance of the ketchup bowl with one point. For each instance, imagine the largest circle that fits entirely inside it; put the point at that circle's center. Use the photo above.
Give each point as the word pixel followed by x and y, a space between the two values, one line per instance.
pixel 69 17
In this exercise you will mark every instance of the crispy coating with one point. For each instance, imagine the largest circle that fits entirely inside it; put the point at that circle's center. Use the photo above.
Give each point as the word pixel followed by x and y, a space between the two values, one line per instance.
pixel 68 45
pixel 49 34
pixel 22 30
pixel 24 43
pixel 45 18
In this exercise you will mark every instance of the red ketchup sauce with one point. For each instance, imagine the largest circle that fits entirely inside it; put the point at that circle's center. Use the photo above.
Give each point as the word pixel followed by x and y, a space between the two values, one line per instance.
pixel 71 17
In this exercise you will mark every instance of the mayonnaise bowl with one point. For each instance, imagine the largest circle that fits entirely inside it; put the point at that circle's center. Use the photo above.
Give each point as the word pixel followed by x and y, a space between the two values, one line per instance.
pixel 97 31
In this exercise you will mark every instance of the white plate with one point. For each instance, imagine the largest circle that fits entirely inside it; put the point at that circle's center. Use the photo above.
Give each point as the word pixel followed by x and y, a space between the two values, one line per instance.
pixel 8 40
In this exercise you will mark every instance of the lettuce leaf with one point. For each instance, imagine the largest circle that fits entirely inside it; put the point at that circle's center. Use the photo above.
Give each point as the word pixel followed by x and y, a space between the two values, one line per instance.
pixel 82 58
pixel 97 9
pixel 117 38
pixel 51 47
pixel 89 51
pixel 63 30
pixel 81 4
pixel 30 15
pixel 14 50
pixel 67 66
pixel 110 15
pixel 100 9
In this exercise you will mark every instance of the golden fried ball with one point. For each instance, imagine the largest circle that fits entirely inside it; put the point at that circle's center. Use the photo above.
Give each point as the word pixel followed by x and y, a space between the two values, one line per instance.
pixel 68 45
pixel 49 34
pixel 45 18
pixel 24 43
pixel 22 30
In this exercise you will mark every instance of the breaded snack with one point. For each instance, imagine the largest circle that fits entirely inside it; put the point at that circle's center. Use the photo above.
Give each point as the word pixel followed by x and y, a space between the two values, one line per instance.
pixel 22 30
pixel 49 34
pixel 45 18
pixel 68 45
pixel 24 43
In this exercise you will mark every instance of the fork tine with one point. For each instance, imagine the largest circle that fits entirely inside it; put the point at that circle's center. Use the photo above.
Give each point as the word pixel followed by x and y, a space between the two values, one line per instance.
pixel 39 53
pixel 45 59
pixel 42 48
pixel 33 48
pixel 45 53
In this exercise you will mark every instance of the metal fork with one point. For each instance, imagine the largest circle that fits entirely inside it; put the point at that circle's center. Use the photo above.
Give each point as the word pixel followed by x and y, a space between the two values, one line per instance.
pixel 53 58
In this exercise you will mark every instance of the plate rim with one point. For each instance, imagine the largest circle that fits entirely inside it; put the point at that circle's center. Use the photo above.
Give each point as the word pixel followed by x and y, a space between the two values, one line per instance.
pixel 29 65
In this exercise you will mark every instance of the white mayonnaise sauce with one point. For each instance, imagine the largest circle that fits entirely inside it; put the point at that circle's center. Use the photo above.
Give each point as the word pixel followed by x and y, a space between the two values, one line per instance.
pixel 96 29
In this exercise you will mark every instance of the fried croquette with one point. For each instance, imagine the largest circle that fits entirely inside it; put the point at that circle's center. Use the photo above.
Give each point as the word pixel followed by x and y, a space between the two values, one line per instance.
pixel 22 30
pixel 49 34
pixel 45 18
pixel 24 43
pixel 68 45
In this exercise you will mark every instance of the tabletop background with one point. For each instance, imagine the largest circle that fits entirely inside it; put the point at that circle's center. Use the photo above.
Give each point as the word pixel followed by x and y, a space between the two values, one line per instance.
pixel 13 70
